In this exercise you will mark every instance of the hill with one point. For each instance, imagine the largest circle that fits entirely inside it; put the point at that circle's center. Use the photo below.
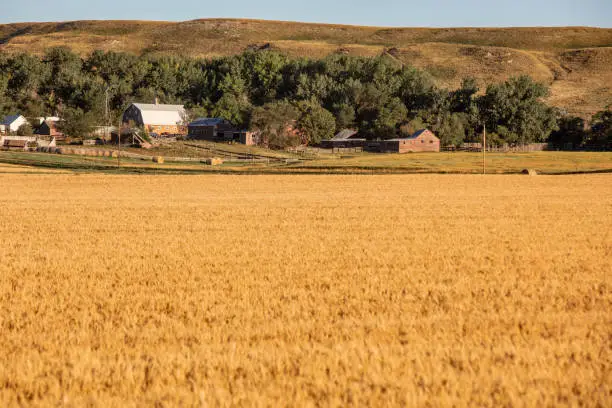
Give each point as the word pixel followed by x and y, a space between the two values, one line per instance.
pixel 576 62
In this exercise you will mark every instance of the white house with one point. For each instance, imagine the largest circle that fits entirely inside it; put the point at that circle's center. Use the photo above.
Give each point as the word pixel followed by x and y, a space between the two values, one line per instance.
pixel 11 123
pixel 157 118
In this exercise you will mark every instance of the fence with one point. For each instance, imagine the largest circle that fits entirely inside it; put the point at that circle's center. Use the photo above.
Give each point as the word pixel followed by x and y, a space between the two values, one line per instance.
pixel 477 147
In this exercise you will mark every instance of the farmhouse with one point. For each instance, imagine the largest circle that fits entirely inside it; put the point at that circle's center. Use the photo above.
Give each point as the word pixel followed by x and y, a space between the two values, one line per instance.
pixel 157 118
pixel 422 141
pixel 12 123
pixel 345 138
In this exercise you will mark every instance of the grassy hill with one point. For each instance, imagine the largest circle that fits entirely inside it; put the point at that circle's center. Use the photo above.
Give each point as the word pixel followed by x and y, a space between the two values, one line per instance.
pixel 575 61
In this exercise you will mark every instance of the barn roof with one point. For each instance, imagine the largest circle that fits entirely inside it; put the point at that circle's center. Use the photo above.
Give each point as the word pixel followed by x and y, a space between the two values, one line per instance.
pixel 207 122
pixel 158 114
pixel 414 136
pixel 7 120
pixel 15 143
pixel 345 134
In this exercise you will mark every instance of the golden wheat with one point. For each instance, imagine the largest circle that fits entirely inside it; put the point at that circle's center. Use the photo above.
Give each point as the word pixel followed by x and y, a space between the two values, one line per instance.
pixel 305 290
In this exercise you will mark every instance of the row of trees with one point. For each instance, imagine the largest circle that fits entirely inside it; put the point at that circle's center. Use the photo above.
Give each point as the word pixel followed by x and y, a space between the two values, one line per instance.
pixel 265 90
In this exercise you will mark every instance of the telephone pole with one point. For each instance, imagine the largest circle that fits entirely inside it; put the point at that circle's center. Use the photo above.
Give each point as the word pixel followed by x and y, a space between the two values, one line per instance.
pixel 484 149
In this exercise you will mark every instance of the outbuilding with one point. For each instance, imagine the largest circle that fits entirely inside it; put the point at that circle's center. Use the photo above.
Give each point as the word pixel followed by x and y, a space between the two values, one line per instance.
pixel 157 118
pixel 346 138
pixel 12 123
pixel 422 141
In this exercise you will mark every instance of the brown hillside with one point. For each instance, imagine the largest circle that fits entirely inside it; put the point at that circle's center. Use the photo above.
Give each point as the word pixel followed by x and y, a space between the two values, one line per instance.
pixel 575 61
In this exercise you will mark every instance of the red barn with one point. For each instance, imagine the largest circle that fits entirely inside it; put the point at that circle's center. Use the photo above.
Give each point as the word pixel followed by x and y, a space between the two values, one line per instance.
pixel 422 141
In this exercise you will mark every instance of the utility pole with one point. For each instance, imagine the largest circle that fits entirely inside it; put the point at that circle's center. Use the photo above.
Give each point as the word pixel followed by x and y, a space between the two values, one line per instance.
pixel 106 117
pixel 484 149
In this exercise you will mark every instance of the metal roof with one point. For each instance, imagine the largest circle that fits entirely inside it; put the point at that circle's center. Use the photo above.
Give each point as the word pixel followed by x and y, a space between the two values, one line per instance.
pixel 414 136
pixel 7 120
pixel 159 114
pixel 344 134
pixel 207 122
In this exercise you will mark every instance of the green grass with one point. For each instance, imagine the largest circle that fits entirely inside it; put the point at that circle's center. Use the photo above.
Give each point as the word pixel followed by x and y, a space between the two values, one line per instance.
pixel 462 162
pixel 467 163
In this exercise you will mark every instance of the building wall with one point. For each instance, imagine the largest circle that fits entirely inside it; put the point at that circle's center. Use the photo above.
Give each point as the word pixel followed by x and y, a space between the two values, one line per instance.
pixel 169 129
pixel 202 132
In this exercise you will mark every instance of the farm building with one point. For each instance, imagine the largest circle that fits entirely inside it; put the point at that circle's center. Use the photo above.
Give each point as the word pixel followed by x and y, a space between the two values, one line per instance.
pixel 157 118
pixel 345 138
pixel 12 144
pixel 422 141
pixel 12 123
pixel 209 128
pixel 220 130
pixel 49 127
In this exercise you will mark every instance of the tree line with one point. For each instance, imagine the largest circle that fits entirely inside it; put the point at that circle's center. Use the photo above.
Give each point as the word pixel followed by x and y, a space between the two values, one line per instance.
pixel 266 90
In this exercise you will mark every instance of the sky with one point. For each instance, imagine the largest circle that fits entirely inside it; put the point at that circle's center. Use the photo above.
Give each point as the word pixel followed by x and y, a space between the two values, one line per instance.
pixel 391 13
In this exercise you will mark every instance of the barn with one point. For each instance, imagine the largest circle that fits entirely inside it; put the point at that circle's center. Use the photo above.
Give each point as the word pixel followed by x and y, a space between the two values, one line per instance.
pixel 12 123
pixel 209 128
pixel 422 141
pixel 346 138
pixel 157 118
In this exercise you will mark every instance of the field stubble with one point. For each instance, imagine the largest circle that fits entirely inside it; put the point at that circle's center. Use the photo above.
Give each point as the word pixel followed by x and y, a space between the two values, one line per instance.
pixel 305 290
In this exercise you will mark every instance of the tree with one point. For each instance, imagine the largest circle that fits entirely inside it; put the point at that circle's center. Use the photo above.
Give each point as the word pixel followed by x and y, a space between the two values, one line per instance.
pixel 76 123
pixel 601 128
pixel 315 122
pixel 276 123
pixel 25 130
pixel 571 133
pixel 517 106
pixel 451 129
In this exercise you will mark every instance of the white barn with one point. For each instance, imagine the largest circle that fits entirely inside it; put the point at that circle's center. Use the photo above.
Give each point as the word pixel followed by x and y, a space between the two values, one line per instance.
pixel 157 118
pixel 12 123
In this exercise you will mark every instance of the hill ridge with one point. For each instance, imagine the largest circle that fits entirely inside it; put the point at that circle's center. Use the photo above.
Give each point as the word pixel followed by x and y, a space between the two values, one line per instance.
pixel 575 61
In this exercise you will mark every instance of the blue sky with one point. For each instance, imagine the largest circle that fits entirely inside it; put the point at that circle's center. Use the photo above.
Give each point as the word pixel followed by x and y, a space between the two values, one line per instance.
pixel 404 13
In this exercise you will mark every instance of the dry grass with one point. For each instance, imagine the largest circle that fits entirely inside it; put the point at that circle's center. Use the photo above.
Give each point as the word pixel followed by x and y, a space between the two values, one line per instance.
pixel 305 290
pixel 575 61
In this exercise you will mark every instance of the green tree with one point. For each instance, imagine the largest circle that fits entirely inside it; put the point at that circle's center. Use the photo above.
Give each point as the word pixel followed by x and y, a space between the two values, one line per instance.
pixel 601 129
pixel 25 130
pixel 276 121
pixel 315 122
pixel 76 123
pixel 517 106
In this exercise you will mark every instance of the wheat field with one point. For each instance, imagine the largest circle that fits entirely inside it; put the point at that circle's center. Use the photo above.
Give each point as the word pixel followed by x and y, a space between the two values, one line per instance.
pixel 398 290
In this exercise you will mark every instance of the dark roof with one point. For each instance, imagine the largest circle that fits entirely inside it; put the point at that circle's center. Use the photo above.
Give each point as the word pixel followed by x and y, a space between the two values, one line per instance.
pixel 207 122
pixel 7 120
pixel 414 136
pixel 344 134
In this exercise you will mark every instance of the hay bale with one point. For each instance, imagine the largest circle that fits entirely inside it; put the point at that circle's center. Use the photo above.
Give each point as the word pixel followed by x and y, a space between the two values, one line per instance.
pixel 158 159
pixel 530 172
pixel 107 153
pixel 114 154
pixel 215 161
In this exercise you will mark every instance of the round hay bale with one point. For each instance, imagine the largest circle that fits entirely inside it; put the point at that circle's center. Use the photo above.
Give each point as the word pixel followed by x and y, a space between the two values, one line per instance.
pixel 106 153
pixel 158 159
pixel 530 172
pixel 114 154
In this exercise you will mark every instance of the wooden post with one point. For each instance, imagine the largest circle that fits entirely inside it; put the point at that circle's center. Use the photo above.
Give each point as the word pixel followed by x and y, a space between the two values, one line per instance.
pixel 484 150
